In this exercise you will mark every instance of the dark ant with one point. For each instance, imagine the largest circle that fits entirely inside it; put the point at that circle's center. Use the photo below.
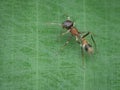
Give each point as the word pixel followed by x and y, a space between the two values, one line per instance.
pixel 80 38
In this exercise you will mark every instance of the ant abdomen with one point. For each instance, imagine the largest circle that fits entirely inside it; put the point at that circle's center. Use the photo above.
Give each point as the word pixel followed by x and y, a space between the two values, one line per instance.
pixel 88 48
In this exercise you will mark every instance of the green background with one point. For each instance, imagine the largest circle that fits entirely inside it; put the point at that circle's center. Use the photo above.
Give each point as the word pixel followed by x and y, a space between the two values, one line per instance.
pixel 30 55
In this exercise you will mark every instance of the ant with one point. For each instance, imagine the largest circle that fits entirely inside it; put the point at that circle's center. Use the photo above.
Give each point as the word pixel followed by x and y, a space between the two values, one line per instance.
pixel 80 38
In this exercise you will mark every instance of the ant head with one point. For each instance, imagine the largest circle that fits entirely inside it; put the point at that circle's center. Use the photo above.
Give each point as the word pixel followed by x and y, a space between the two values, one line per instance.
pixel 67 24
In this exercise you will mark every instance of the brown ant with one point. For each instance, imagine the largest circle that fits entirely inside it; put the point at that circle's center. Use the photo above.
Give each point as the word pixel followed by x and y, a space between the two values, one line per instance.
pixel 80 38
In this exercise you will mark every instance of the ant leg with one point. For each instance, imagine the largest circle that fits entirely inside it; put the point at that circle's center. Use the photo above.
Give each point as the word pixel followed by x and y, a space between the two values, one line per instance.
pixel 86 35
pixel 82 53
pixel 66 42
pixel 65 32
pixel 93 41
pixel 78 39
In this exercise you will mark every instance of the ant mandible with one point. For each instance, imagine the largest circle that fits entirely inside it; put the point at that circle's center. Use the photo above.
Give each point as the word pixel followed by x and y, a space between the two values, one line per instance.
pixel 80 38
